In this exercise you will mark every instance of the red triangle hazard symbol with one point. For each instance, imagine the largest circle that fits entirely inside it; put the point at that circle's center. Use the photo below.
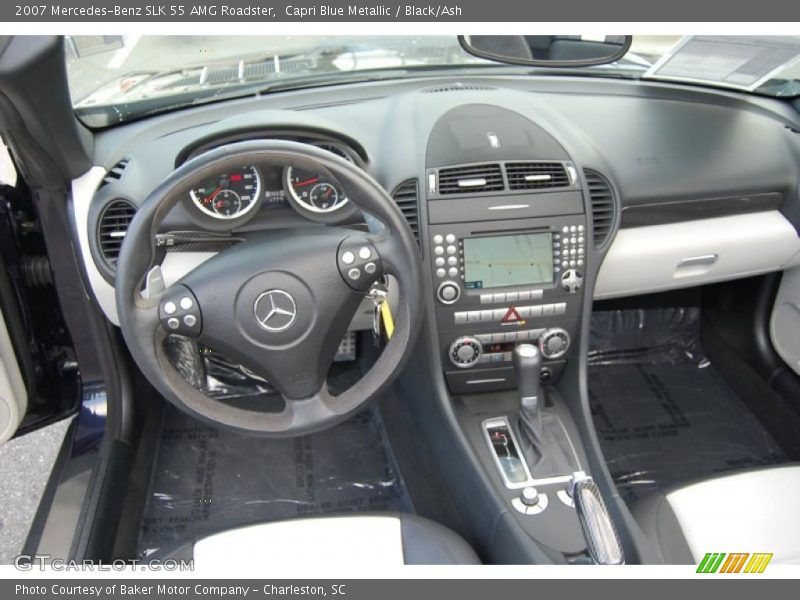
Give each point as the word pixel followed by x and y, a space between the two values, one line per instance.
pixel 511 316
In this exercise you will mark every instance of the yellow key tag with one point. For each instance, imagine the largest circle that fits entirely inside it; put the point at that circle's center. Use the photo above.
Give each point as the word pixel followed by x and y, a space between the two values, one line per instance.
pixel 388 321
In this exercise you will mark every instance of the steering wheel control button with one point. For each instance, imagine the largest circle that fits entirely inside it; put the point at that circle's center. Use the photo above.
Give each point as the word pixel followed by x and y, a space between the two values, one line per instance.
pixel 179 312
pixel 359 263
pixel 275 310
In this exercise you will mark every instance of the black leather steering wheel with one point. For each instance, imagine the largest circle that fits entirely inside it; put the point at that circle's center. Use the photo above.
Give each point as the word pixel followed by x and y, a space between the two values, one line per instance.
pixel 279 303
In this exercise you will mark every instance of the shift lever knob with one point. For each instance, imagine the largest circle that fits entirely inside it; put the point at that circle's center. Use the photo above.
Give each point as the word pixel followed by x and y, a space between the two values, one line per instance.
pixel 528 365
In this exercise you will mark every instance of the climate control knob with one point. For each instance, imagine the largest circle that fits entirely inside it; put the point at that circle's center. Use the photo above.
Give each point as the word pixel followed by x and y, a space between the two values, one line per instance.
pixel 554 343
pixel 465 352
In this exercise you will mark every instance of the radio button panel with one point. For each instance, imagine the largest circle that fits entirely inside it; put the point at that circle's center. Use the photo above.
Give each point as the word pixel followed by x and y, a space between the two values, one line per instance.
pixel 506 298
pixel 497 315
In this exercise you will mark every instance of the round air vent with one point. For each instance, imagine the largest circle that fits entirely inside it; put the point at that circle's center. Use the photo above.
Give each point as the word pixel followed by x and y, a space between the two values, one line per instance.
pixel 111 229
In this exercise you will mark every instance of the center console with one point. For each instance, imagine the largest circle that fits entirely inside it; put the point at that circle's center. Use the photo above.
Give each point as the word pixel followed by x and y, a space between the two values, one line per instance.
pixel 508 243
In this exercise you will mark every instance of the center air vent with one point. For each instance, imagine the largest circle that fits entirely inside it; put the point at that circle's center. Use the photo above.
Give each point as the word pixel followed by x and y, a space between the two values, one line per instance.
pixel 470 179
pixel 604 207
pixel 406 197
pixel 112 227
pixel 536 175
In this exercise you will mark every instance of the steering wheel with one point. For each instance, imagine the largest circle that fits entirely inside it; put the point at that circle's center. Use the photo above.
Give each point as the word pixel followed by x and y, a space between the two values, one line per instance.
pixel 278 303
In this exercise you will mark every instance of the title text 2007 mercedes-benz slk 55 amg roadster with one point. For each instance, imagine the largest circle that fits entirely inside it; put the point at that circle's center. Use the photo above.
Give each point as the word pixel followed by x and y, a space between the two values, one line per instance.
pixel 421 300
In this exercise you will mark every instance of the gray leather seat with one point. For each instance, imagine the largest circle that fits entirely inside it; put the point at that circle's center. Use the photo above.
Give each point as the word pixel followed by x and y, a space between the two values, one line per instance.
pixel 363 539
pixel 749 511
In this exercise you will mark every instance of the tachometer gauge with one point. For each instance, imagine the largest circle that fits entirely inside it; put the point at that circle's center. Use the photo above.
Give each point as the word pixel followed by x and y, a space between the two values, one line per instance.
pixel 316 192
pixel 229 195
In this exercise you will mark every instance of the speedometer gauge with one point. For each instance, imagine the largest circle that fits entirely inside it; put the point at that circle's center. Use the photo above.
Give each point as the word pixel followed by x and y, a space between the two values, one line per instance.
pixel 315 191
pixel 229 195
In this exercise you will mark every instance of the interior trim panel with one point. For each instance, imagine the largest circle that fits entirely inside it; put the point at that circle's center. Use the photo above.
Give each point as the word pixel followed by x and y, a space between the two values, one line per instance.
pixel 662 257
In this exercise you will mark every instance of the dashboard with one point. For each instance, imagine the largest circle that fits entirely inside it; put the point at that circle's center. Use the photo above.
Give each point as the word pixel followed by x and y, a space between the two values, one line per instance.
pixel 671 186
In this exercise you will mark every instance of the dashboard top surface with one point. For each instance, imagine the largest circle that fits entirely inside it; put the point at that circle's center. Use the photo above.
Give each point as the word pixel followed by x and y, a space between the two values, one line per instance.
pixel 657 143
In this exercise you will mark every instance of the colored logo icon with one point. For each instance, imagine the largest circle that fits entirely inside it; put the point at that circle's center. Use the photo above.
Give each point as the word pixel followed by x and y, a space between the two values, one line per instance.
pixel 737 562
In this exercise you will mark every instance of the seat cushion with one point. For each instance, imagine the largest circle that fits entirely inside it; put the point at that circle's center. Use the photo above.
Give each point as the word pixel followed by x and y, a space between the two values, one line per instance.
pixel 749 511
pixel 391 539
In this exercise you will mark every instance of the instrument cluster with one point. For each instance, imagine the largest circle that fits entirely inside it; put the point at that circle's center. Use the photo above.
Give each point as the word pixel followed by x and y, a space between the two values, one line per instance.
pixel 232 198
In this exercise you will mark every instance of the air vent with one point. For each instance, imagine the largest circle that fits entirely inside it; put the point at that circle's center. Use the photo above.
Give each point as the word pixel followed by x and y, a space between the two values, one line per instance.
pixel 536 175
pixel 471 179
pixel 604 206
pixel 112 227
pixel 406 197
pixel 115 174
pixel 458 87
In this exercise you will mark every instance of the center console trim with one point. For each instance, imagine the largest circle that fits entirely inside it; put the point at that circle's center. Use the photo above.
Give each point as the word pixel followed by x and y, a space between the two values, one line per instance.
pixel 504 422
pixel 530 480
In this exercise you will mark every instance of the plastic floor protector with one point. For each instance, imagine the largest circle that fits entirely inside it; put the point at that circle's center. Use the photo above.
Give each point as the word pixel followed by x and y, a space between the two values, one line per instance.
pixel 662 413
pixel 208 480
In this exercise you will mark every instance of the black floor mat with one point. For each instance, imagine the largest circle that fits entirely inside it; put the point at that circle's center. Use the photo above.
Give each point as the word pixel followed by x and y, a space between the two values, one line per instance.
pixel 207 480
pixel 661 411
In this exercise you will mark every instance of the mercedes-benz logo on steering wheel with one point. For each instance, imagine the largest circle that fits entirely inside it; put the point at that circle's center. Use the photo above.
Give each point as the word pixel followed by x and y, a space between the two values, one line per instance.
pixel 275 310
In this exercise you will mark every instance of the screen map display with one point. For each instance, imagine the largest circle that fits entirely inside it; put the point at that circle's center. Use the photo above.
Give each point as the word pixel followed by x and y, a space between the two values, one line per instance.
pixel 508 260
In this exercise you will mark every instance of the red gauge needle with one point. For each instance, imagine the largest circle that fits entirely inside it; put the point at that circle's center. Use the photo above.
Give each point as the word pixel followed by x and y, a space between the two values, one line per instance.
pixel 306 182
pixel 211 196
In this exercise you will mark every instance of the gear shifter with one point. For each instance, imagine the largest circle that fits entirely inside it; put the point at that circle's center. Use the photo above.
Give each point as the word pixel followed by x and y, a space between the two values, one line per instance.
pixel 528 366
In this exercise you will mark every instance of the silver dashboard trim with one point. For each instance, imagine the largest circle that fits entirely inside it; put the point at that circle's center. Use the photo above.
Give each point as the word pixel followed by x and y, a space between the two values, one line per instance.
pixel 83 190
pixel 509 206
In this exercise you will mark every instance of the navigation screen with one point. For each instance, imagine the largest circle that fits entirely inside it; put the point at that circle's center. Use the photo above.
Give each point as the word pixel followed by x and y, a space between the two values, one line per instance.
pixel 508 260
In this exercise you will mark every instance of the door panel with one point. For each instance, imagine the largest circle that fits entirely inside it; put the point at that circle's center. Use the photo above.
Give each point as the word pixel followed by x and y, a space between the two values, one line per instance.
pixel 13 395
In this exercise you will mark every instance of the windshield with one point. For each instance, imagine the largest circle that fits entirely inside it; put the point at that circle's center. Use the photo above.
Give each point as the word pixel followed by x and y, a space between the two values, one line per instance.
pixel 117 78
